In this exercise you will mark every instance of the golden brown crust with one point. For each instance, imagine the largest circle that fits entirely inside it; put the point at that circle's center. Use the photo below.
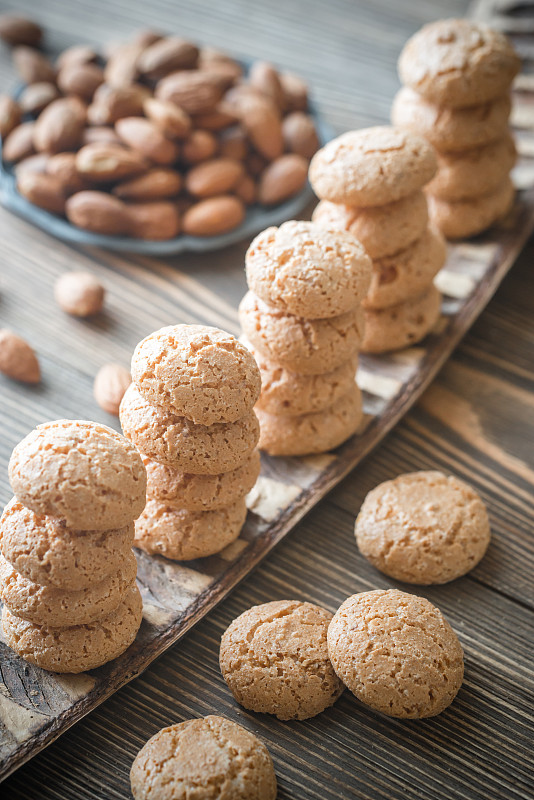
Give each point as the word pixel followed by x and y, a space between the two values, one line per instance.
pixel 402 325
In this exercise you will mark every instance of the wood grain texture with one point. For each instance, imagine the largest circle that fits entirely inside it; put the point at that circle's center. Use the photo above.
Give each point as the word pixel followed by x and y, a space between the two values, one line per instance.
pixel 474 420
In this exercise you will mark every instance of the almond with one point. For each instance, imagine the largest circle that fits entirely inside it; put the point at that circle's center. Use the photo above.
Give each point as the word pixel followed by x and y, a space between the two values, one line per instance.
pixel 45 191
pixel 34 164
pixel 79 294
pixel 10 115
pixel 194 91
pixel 213 177
pixel 19 143
pixel 63 167
pixel 109 387
pixel 300 135
pixel 32 66
pixel 295 90
pixel 264 77
pixel 146 138
pixel 261 120
pixel 80 79
pixel 221 117
pixel 255 164
pixel 100 134
pixel 283 178
pixel 214 216
pixel 169 118
pixel 146 37
pixel 111 103
pixel 37 96
pixel 167 55
pixel 246 190
pixel 59 127
pixel 158 220
pixel 153 185
pixel 121 68
pixel 233 143
pixel 17 359
pixel 106 163
pixel 18 30
pixel 98 212
pixel 77 54
pixel 220 64
pixel 199 146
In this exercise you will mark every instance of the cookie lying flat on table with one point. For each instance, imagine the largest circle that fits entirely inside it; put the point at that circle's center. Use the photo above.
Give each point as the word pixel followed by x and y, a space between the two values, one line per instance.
pixel 402 325
pixel 382 230
pixel 197 372
pixel 423 527
pixel 397 653
pixel 303 269
pixel 79 471
pixel 274 659
pixel 372 166
pixel 203 759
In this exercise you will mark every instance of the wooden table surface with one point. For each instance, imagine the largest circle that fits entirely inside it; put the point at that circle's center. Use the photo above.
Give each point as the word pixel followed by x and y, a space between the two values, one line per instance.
pixel 476 421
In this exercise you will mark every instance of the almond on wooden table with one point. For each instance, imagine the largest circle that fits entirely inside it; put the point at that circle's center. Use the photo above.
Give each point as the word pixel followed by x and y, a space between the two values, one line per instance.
pixel 18 30
pixel 98 212
pixel 109 387
pixel 17 359
pixel 79 294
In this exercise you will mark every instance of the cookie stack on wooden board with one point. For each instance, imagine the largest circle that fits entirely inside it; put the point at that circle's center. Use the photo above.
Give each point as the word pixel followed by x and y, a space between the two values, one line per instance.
pixel 67 570
pixel 190 412
pixel 457 76
pixel 370 184
pixel 304 323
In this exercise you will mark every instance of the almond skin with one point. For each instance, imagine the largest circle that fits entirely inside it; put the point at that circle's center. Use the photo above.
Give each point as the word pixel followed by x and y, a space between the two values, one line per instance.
pixel 295 90
pixel 199 146
pixel 18 30
pixel 45 191
pixel 17 359
pixel 155 184
pixel 167 55
pixel 219 118
pixel 59 127
pixel 168 117
pixel 214 177
pixel 37 96
pixel 100 134
pixel 63 167
pixel 158 220
pixel 194 91
pixel 146 138
pixel 98 212
pixel 121 68
pixel 80 79
pixel 33 66
pixel 283 178
pixel 261 120
pixel 10 115
pixel 105 163
pixel 264 77
pixel 300 135
pixel 79 294
pixel 110 384
pixel 34 164
pixel 111 103
pixel 19 143
pixel 214 216
pixel 246 190
pixel 75 55
pixel 233 143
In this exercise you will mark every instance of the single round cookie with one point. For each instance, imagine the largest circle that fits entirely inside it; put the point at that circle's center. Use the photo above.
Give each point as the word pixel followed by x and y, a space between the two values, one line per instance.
pixel 372 166
pixel 78 647
pixel 397 653
pixel 399 278
pixel 181 444
pixel 403 325
pixel 43 550
pixel 312 433
pixel 303 269
pixel 301 345
pixel 201 492
pixel 47 605
pixel 197 372
pixel 173 532
pixel 464 218
pixel 423 527
pixel 204 759
pixel 472 173
pixel 82 472
pixel 274 658
pixel 288 394
pixel 458 63
pixel 382 230
pixel 451 129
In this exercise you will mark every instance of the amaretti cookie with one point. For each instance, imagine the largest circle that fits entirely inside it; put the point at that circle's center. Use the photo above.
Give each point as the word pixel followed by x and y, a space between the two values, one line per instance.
pixel 397 653
pixel 403 325
pixel 79 471
pixel 203 759
pixel 305 434
pixel 382 230
pixel 43 550
pixel 198 372
pixel 79 647
pixel 274 659
pixel 372 166
pixel 463 218
pixel 423 527
pixel 177 533
pixel 305 270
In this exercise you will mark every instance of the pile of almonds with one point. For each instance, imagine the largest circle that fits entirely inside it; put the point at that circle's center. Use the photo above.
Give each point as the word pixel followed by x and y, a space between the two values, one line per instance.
pixel 158 138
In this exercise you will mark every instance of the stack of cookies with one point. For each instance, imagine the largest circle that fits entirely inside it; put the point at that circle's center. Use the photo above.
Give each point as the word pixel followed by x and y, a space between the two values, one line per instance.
pixel 190 412
pixel 370 183
pixel 457 76
pixel 304 323
pixel 67 570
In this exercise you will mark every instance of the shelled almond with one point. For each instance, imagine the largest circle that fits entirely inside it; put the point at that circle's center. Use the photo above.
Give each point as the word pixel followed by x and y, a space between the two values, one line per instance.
pixel 159 137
